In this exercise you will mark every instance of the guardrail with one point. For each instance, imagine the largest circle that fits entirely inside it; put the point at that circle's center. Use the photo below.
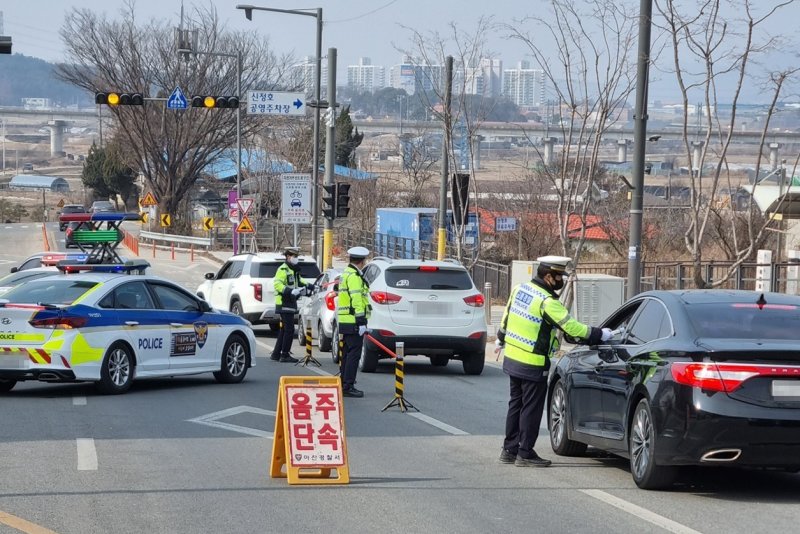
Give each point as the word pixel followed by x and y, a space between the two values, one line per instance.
pixel 131 242
pixel 170 238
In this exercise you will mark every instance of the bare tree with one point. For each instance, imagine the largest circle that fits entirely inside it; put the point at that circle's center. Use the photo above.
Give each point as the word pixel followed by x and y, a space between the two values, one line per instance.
pixel 591 76
pixel 171 148
pixel 709 53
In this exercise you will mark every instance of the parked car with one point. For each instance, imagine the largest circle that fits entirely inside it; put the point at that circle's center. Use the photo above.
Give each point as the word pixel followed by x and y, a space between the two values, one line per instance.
pixel 431 306
pixel 70 208
pixel 243 285
pixel 102 206
pixel 69 240
pixel 61 329
pixel 696 377
pixel 27 167
pixel 318 311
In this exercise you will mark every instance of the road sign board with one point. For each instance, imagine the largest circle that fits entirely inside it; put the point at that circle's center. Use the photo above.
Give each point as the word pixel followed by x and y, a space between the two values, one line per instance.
pixel 60 203
pixel 208 223
pixel 276 103
pixel 245 204
pixel 149 200
pixel 505 224
pixel 296 198
pixel 166 220
pixel 143 216
pixel 233 215
pixel 177 100
pixel 245 227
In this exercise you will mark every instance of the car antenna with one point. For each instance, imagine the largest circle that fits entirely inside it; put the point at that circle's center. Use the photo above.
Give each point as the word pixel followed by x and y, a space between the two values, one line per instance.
pixel 761 302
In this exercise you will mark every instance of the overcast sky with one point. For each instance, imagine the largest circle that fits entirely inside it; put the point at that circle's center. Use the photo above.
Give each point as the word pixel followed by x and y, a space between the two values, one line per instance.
pixel 372 28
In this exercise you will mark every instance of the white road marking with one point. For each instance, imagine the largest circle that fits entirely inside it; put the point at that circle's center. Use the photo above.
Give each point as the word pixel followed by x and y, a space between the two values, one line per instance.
pixel 79 401
pixel 7 228
pixel 24 226
pixel 87 455
pixel 438 424
pixel 642 513
pixel 264 344
pixel 213 420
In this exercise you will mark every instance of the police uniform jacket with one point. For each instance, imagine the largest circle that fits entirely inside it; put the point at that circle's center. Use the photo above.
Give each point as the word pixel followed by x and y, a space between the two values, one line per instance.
pixel 286 279
pixel 529 327
pixel 353 301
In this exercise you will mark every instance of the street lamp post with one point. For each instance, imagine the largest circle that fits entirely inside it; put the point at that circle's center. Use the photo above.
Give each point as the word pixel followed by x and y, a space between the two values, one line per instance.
pixel 317 14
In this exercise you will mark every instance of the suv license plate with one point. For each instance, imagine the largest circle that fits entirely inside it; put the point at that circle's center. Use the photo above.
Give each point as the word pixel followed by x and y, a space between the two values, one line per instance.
pixel 432 308
pixel 785 389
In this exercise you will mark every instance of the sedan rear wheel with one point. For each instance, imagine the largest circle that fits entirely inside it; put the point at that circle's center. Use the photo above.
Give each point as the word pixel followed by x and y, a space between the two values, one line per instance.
pixel 7 385
pixel 335 345
pixel 235 361
pixel 325 343
pixel 642 446
pixel 116 372
pixel 562 445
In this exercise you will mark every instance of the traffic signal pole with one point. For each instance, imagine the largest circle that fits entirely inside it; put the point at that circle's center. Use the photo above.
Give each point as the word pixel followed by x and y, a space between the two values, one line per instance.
pixel 330 159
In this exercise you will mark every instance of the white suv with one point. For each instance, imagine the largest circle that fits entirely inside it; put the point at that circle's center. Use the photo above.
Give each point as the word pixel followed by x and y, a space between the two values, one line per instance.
pixel 244 285
pixel 431 306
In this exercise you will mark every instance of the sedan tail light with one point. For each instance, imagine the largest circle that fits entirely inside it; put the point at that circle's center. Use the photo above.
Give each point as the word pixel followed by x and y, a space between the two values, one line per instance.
pixel 257 292
pixel 476 300
pixel 329 302
pixel 727 377
pixel 384 297
pixel 58 322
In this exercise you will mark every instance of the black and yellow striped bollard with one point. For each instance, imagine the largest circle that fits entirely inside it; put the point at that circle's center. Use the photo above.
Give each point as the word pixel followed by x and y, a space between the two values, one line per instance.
pixel 309 358
pixel 399 377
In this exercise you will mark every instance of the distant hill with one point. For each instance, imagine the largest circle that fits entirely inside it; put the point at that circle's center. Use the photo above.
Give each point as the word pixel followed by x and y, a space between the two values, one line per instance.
pixel 24 77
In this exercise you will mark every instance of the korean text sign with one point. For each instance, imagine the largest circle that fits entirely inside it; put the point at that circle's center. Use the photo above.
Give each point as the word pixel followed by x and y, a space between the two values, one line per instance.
pixel 315 426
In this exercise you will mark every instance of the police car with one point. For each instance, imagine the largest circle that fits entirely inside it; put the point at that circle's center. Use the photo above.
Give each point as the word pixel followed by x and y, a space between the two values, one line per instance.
pixel 112 327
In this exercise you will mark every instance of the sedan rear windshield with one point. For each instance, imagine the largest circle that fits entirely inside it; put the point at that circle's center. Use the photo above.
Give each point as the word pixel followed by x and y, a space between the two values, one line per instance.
pixel 746 320
pixel 439 279
pixel 308 269
pixel 48 291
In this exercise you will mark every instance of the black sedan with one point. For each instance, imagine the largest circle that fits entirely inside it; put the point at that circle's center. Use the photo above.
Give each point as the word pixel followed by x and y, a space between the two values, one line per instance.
pixel 696 377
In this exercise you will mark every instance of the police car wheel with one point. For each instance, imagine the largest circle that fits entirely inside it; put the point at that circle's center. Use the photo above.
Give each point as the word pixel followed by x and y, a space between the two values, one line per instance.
pixel 473 362
pixel 235 361
pixel 116 373
pixel 7 385
pixel 369 359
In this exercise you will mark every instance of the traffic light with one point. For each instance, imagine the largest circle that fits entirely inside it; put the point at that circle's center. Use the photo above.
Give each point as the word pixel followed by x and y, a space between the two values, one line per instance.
pixel 5 44
pixel 119 99
pixel 329 201
pixel 200 101
pixel 342 199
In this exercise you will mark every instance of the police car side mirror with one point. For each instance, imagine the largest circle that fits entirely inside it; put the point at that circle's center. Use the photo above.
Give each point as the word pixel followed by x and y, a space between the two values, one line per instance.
pixel 205 306
pixel 209 276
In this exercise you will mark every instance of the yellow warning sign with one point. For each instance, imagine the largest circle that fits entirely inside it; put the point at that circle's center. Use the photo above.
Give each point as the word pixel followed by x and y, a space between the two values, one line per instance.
pixel 245 227
pixel 60 203
pixel 309 441
pixel 208 223
pixel 149 200
pixel 166 220
pixel 143 216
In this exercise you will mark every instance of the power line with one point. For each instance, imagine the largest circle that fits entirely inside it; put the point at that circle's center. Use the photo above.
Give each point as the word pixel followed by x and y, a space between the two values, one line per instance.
pixel 362 15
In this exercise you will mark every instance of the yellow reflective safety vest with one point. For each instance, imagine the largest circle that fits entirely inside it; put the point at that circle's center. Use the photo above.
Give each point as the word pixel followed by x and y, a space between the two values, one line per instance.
pixel 285 280
pixel 353 306
pixel 530 322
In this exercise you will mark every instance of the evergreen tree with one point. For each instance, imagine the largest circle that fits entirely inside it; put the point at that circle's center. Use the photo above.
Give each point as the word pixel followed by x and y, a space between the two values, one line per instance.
pixel 346 139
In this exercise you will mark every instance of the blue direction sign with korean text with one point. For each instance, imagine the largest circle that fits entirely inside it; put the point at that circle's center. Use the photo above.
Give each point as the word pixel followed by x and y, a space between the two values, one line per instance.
pixel 177 100
pixel 276 103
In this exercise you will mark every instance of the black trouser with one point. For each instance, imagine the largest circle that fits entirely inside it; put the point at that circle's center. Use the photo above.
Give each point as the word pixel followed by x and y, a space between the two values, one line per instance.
pixel 351 356
pixel 525 409
pixel 283 345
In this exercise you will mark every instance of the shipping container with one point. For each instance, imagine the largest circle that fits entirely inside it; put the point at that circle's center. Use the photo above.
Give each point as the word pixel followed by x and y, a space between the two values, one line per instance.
pixel 405 232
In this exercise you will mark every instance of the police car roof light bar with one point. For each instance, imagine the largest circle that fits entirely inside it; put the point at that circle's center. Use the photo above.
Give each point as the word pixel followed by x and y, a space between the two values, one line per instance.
pixel 99 217
pixel 129 267
pixel 48 260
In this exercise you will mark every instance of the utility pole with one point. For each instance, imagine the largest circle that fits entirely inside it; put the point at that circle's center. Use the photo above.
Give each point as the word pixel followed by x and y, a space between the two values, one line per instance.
pixel 448 89
pixel 639 139
pixel 330 158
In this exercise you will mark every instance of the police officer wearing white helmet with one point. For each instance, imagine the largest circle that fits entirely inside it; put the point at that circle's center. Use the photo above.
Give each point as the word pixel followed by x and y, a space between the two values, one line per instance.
pixel 352 315
pixel 288 286
pixel 528 331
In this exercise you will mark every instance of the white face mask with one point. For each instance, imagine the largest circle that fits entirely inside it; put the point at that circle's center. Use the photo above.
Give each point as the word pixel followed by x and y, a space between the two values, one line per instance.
pixel 293 261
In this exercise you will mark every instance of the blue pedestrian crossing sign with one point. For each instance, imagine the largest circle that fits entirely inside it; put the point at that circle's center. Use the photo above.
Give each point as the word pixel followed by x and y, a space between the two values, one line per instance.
pixel 177 100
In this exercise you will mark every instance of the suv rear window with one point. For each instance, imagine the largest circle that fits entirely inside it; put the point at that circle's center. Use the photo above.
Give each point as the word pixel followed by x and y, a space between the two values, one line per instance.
pixel 415 278
pixel 745 320
pixel 308 269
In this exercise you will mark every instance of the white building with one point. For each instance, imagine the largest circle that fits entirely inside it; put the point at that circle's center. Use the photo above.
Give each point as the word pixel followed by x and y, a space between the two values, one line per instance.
pixel 524 86
pixel 36 103
pixel 412 75
pixel 365 76
pixel 302 76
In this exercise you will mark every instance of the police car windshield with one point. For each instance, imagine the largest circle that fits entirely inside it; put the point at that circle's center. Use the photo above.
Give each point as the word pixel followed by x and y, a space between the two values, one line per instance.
pixel 308 269
pixel 48 291
pixel 439 279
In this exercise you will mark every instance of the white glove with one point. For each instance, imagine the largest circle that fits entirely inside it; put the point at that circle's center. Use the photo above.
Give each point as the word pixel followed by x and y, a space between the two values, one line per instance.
pixel 296 291
pixel 498 344
pixel 607 334
pixel 362 330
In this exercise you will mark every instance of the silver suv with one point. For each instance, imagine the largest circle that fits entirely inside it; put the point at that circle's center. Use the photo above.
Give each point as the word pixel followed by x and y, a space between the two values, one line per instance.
pixel 243 285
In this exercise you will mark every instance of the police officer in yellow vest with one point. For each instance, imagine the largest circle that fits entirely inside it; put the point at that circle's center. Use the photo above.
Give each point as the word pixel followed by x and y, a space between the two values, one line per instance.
pixel 288 288
pixel 528 330
pixel 352 314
